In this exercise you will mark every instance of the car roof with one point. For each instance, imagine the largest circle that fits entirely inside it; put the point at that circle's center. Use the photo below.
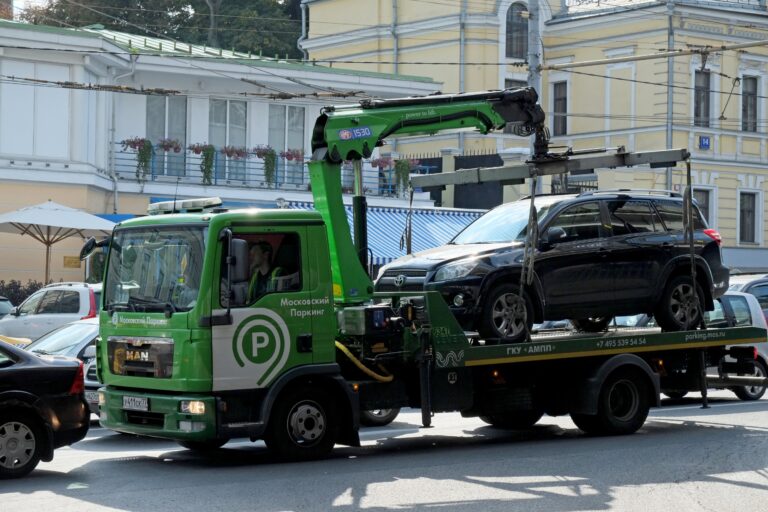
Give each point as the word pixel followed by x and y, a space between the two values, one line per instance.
pixel 746 278
pixel 95 286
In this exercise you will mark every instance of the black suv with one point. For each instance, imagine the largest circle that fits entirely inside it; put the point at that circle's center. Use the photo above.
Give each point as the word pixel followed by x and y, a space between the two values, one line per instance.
pixel 599 254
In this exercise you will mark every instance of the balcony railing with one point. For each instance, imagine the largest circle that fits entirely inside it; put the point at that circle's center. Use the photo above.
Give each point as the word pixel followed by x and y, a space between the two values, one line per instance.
pixel 246 172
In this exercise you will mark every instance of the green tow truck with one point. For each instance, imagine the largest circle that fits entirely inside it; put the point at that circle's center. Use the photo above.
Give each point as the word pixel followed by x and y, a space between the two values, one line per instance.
pixel 195 349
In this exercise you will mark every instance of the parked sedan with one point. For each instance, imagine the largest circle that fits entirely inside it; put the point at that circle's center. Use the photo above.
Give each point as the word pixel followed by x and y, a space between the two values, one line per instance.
pixel 70 340
pixel 41 408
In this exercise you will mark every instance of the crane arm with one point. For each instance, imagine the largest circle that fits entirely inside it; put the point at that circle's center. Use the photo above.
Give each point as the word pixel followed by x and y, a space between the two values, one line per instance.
pixel 352 133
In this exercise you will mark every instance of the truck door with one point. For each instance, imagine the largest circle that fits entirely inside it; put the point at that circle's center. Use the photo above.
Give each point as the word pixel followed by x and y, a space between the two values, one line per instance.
pixel 271 310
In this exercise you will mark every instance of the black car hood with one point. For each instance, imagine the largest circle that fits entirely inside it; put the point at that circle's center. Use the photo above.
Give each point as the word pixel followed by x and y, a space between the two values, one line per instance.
pixel 431 258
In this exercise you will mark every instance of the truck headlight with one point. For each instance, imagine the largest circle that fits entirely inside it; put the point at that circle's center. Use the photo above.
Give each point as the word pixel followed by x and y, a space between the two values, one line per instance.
pixel 455 270
pixel 192 407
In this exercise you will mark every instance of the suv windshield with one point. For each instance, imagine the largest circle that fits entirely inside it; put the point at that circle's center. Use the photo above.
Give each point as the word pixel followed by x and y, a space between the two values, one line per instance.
pixel 154 269
pixel 504 223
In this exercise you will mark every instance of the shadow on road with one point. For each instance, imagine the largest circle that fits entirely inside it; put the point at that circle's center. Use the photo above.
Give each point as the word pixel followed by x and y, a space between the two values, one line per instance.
pixel 544 468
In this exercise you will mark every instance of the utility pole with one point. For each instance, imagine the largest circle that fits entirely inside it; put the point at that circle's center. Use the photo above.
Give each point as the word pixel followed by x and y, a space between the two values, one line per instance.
pixel 534 59
pixel 670 83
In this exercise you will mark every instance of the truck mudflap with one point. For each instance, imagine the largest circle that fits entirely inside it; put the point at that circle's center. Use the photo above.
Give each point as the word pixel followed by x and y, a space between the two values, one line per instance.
pixel 587 399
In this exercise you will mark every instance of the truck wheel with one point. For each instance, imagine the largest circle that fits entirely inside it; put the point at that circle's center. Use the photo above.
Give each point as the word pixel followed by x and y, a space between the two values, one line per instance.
pixel 204 446
pixel 596 324
pixel 21 443
pixel 676 310
pixel 304 424
pixel 622 406
pixel 753 392
pixel 513 421
pixel 507 315
pixel 378 417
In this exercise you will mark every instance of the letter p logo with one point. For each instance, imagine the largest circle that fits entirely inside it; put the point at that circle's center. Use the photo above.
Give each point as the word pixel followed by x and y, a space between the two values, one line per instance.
pixel 258 340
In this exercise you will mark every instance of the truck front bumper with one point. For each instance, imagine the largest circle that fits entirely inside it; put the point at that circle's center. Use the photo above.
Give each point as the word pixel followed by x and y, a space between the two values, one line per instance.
pixel 158 415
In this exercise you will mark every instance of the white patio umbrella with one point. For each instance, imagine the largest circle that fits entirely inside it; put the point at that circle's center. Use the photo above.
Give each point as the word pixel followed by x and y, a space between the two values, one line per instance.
pixel 50 223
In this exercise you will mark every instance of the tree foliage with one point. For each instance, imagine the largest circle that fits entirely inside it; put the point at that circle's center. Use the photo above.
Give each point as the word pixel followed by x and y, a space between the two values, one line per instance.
pixel 258 26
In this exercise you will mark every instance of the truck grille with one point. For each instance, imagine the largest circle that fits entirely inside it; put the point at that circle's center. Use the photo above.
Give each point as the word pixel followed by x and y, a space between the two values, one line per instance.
pixel 402 280
pixel 141 357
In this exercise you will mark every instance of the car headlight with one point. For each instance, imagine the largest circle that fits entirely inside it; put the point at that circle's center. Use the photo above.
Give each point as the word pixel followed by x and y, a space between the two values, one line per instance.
pixel 455 270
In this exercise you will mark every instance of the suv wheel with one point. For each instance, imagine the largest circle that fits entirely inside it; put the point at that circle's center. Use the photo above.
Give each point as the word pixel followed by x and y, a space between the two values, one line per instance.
pixel 507 314
pixel 595 324
pixel 677 311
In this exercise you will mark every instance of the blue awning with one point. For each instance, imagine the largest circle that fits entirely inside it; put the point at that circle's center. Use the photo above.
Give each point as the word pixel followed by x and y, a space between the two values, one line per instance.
pixel 115 217
pixel 386 226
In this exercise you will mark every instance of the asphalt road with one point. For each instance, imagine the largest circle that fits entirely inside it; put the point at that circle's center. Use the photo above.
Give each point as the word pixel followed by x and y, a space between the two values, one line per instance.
pixel 684 459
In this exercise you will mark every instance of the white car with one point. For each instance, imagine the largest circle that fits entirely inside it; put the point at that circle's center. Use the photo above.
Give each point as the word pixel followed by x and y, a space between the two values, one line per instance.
pixel 50 307
pixel 737 309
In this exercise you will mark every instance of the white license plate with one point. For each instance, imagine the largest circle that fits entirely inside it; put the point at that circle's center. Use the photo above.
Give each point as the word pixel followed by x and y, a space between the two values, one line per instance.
pixel 136 403
pixel 92 397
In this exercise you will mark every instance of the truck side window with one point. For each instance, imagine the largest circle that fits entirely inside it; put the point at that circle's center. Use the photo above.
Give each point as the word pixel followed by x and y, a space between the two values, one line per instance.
pixel 274 263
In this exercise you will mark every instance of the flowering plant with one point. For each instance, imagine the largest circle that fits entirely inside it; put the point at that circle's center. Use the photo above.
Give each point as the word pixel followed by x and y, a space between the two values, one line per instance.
pixel 208 153
pixel 235 152
pixel 293 154
pixel 269 155
pixel 144 151
pixel 169 145
pixel 383 162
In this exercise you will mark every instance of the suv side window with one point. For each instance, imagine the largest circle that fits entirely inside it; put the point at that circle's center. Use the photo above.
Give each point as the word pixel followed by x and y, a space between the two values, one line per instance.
pixel 49 303
pixel 672 214
pixel 761 292
pixel 30 305
pixel 740 311
pixel 716 317
pixel 580 222
pixel 633 217
pixel 69 302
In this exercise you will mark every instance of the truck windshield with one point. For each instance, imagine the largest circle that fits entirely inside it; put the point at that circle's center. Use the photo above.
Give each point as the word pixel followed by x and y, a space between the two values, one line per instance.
pixel 505 223
pixel 154 269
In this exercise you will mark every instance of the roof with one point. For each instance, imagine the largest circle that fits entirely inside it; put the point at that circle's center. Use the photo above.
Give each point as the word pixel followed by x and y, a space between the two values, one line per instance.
pixel 140 44
pixel 386 226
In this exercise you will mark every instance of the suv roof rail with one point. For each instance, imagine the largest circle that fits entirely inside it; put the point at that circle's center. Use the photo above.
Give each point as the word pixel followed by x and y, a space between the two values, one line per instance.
pixel 70 283
pixel 550 194
pixel 649 191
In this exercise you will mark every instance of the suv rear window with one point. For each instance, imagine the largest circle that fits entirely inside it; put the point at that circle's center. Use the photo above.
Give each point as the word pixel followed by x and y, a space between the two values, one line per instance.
pixel 672 214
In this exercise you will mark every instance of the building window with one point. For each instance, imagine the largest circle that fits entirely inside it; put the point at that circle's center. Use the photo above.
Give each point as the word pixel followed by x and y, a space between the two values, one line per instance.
pixel 747 217
pixel 167 119
pixel 702 197
pixel 513 84
pixel 227 127
pixel 749 104
pixel 560 110
pixel 286 133
pixel 702 99
pixel 517 32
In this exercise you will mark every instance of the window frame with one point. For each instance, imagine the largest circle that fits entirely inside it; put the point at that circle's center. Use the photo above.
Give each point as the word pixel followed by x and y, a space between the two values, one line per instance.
pixel 162 158
pixel 559 117
pixel 749 104
pixel 516 45
pixel 702 99
pixel 757 219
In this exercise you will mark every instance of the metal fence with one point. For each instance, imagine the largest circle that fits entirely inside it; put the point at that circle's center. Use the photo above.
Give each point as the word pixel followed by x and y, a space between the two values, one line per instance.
pixel 247 172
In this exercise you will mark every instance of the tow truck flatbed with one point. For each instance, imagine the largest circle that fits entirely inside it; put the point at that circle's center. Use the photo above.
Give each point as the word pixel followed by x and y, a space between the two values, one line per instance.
pixel 549 346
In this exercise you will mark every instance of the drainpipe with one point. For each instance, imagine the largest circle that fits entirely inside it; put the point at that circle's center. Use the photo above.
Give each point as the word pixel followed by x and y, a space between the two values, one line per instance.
pixel 670 83
pixel 303 37
pixel 462 58
pixel 111 163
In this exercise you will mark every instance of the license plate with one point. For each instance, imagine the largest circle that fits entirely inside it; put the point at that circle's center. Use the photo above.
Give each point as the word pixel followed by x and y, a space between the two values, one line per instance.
pixel 92 397
pixel 136 403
